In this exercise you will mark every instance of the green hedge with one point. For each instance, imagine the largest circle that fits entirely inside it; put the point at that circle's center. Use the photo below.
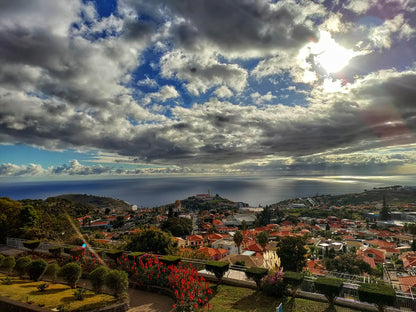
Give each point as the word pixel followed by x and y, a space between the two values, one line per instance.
pixel 55 251
pixel 135 255
pixel 330 287
pixel 256 274
pixel 379 294
pixel 217 267
pixel 31 244
pixel 170 260
pixel 114 254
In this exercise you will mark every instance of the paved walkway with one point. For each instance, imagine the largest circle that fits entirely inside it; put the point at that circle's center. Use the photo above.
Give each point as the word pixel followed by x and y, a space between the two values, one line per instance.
pixel 143 301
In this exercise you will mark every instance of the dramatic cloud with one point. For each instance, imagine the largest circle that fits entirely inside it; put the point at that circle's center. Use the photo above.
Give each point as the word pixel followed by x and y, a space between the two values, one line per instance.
pixel 194 86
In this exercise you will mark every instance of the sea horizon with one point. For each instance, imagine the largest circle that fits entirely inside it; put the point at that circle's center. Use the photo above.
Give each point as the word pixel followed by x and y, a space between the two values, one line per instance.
pixel 157 191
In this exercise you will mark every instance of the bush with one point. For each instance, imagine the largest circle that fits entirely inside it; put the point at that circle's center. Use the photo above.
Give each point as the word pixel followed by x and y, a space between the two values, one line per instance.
pixel 79 293
pixel 71 272
pixel 42 287
pixel 36 269
pixel 55 251
pixel 98 278
pixel 52 271
pixel 31 244
pixel 218 268
pixel 8 263
pixel 330 287
pixel 273 285
pixel 256 274
pixel 21 265
pixel 294 280
pixel 170 260
pixel 118 282
pixel 379 294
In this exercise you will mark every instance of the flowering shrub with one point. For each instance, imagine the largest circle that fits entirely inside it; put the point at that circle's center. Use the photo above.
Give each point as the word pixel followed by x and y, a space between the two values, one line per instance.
pixel 190 290
pixel 273 284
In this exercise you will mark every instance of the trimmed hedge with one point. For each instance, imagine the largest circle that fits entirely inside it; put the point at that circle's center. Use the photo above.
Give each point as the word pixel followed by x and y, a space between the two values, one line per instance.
pixel 114 254
pixel 67 249
pixel 31 244
pixel 330 287
pixel 55 251
pixel 256 274
pixel 218 268
pixel 135 255
pixel 170 260
pixel 379 294
pixel 294 280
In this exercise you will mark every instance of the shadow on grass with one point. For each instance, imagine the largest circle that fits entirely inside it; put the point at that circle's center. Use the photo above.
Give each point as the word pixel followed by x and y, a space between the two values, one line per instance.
pixel 70 299
pixel 46 292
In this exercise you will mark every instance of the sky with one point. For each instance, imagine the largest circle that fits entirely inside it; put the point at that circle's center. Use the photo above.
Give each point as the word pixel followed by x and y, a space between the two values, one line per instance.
pixel 128 88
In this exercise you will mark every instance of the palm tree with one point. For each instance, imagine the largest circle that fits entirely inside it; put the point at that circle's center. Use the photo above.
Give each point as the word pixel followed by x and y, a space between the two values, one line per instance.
pixel 238 239
pixel 263 239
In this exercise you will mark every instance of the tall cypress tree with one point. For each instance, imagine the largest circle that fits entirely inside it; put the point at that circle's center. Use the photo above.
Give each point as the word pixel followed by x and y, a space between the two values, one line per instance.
pixel 385 211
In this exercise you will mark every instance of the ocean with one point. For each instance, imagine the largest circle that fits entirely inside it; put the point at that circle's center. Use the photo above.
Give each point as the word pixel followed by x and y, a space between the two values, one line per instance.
pixel 156 191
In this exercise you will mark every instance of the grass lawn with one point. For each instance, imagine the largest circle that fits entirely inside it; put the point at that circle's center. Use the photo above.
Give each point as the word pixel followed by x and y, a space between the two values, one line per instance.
pixel 235 299
pixel 52 297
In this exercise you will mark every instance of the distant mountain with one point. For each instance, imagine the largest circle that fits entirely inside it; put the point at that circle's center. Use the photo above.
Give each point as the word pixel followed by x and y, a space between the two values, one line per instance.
pixel 96 201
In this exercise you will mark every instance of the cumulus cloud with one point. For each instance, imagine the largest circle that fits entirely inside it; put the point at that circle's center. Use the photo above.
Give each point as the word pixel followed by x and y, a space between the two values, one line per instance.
pixel 202 72
pixel 69 79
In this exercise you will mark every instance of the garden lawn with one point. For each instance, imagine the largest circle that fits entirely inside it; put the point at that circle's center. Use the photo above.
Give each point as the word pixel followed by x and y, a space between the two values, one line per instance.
pixel 235 299
pixel 53 296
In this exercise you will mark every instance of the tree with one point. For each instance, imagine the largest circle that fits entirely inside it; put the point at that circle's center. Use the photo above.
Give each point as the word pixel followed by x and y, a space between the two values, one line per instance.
pixel 36 269
pixel 177 226
pixel 348 263
pixel 98 278
pixel 218 268
pixel 292 253
pixel 294 280
pixel 152 240
pixel 385 211
pixel 118 222
pixel 411 228
pixel 238 240
pixel 28 216
pixel 71 272
pixel 330 287
pixel 256 274
pixel 31 244
pixel 263 239
pixel 21 265
pixel 8 263
pixel 118 282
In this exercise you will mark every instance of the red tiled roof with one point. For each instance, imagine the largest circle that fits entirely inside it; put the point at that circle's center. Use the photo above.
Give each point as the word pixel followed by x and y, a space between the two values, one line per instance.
pixel 194 238
pixel 316 267
pixel 406 282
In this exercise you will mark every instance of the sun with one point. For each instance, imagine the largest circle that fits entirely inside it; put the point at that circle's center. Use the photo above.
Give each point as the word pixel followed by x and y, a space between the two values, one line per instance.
pixel 331 56
pixel 325 54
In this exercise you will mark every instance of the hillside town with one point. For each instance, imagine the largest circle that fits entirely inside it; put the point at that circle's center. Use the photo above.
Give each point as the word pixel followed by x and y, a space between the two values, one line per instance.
pixel 385 244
